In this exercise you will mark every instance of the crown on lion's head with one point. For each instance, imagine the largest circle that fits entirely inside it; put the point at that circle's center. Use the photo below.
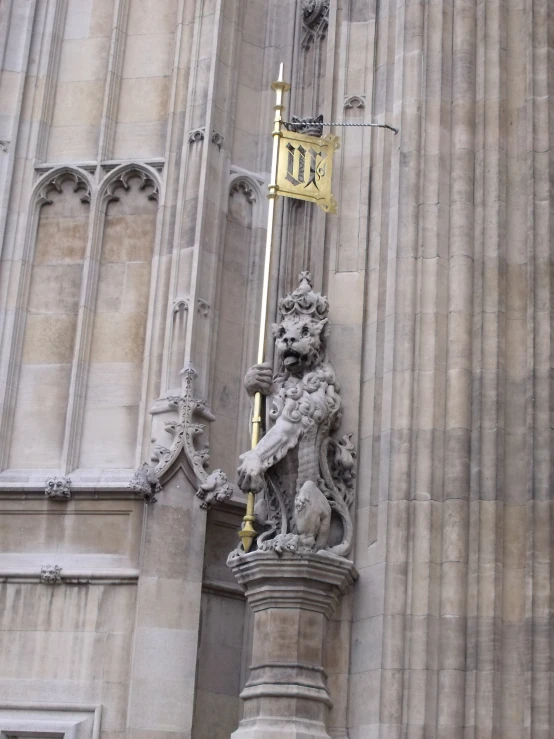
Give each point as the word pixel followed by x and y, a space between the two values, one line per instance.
pixel 300 335
pixel 304 301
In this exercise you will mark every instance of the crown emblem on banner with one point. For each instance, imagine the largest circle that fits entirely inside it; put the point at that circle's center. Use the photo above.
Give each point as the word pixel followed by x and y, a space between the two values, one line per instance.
pixel 304 301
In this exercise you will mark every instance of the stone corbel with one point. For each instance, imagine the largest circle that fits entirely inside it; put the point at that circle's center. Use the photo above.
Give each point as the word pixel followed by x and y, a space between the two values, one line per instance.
pixel 51 575
pixel 181 305
pixel 196 135
pixel 217 139
pixel 58 488
pixel 184 432
pixel 202 307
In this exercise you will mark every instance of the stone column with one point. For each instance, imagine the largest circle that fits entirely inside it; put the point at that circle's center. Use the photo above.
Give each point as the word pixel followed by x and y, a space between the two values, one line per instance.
pixel 292 596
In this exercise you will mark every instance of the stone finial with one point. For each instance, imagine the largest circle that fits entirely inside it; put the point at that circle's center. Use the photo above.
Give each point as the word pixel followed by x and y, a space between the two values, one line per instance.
pixel 58 488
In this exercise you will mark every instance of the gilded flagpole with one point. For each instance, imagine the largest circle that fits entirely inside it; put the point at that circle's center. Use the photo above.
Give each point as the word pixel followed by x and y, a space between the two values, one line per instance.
pixel 247 532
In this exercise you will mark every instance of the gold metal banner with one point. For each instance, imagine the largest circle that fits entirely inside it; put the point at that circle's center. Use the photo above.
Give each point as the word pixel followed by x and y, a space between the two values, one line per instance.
pixel 305 168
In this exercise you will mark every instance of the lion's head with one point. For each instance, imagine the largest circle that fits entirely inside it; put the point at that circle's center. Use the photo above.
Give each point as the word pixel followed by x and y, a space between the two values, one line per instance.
pixel 300 343
pixel 300 336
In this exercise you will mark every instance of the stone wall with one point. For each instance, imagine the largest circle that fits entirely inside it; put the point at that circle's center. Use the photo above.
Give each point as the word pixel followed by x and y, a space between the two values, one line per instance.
pixel 134 159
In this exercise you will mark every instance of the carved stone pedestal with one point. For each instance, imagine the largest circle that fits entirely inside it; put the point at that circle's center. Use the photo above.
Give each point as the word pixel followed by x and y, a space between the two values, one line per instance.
pixel 292 596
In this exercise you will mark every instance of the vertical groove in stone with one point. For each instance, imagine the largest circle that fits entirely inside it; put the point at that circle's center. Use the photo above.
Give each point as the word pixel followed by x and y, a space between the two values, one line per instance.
pixel 485 581
pixel 455 506
pixel 515 571
pixel 538 621
pixel 399 349
pixel 429 375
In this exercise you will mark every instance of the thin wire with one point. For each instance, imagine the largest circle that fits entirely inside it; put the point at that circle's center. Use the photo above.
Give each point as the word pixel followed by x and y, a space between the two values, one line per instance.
pixel 369 125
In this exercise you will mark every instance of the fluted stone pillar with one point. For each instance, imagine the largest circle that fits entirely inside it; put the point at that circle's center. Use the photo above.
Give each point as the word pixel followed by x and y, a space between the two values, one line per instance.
pixel 293 597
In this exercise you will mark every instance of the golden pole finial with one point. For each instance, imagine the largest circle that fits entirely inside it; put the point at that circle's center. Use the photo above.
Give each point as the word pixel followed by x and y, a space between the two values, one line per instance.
pixel 247 532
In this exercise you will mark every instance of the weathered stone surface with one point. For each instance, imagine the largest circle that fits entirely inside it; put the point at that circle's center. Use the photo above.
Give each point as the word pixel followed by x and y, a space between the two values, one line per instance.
pixel 134 159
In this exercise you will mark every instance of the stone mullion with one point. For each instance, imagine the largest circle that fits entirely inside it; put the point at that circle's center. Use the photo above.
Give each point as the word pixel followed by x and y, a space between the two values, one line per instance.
pixel 455 505
pixel 10 128
pixel 113 80
pixel 91 269
pixel 58 9
pixel 20 226
pixel 161 315
pixel 207 218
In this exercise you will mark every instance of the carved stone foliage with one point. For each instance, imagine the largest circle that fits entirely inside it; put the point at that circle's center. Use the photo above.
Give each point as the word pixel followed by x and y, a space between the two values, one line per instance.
pixel 315 20
pixel 185 430
pixel 58 488
pixel 51 574
pixel 123 178
pixel 304 472
pixel 308 126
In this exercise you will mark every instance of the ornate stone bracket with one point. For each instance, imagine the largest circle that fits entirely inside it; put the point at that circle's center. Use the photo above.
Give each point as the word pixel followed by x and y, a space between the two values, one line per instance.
pixel 58 488
pixel 185 430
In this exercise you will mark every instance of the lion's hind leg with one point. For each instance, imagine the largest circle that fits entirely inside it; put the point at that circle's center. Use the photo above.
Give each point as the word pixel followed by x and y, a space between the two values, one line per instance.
pixel 324 526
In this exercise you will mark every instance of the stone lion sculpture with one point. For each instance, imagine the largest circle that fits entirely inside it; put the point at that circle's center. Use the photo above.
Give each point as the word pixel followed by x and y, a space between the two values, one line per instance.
pixel 305 476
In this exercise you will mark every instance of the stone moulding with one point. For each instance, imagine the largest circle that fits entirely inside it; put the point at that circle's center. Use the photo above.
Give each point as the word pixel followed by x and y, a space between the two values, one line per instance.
pixel 286 695
pixel 54 181
pixel 122 180
pixel 354 101
pixel 48 574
